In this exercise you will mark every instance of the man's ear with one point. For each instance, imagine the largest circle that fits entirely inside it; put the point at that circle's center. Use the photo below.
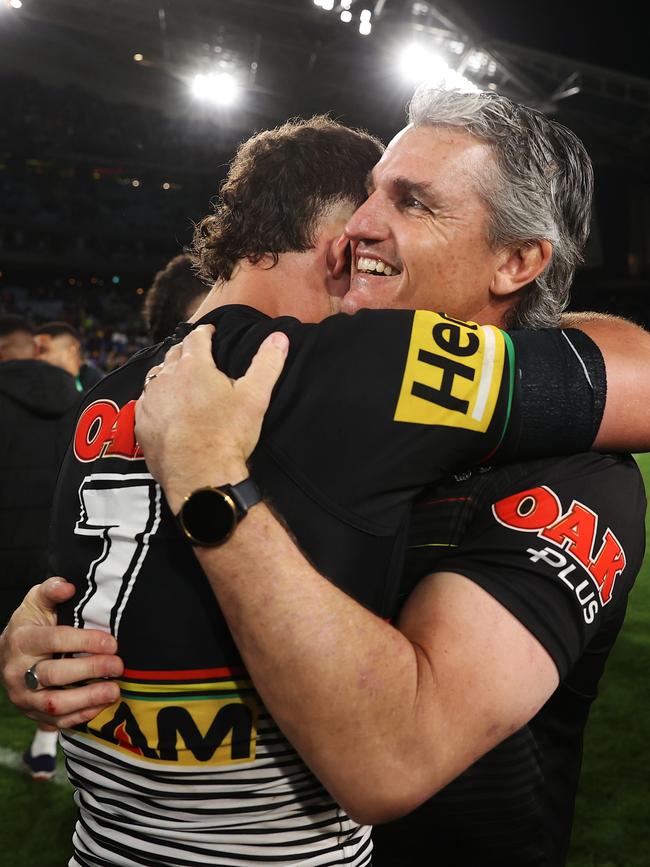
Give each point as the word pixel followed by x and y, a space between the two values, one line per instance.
pixel 338 257
pixel 338 267
pixel 520 266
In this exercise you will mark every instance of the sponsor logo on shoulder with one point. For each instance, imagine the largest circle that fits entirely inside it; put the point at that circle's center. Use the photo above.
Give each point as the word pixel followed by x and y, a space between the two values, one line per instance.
pixel 453 373
pixel 577 544
pixel 106 431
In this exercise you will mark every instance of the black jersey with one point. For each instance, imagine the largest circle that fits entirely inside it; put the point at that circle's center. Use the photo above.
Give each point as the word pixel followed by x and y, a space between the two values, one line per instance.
pixel 558 543
pixel 188 765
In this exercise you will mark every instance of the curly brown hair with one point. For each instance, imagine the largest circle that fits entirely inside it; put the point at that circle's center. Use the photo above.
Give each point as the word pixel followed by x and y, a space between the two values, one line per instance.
pixel 168 298
pixel 279 185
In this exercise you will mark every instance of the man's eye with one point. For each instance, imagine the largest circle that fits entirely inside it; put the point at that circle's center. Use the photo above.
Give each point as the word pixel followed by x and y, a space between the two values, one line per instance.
pixel 416 204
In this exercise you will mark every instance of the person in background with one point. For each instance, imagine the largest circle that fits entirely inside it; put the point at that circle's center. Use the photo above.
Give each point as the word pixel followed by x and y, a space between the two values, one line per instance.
pixel 60 344
pixel 174 295
pixel 16 339
pixel 38 402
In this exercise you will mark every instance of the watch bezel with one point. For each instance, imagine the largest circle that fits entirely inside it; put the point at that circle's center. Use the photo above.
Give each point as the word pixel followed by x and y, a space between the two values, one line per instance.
pixel 226 498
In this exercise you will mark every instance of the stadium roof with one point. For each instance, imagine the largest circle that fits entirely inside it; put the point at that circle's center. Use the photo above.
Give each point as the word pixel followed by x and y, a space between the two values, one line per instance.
pixel 293 57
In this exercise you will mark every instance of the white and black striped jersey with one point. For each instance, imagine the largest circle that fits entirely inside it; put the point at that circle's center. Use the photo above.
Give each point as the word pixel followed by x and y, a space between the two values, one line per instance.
pixel 188 768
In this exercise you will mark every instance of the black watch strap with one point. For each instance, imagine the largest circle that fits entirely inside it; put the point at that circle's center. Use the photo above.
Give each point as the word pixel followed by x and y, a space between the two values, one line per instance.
pixel 245 494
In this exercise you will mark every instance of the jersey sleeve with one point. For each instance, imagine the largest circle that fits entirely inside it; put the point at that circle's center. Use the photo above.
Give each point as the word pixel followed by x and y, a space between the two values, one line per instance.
pixel 373 406
pixel 559 399
pixel 560 549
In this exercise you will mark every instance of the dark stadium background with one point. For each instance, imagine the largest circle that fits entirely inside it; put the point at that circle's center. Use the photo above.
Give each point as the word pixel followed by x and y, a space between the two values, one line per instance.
pixel 81 121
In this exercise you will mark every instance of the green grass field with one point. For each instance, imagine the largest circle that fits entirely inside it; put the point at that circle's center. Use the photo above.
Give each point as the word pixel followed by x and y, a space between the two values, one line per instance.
pixel 612 827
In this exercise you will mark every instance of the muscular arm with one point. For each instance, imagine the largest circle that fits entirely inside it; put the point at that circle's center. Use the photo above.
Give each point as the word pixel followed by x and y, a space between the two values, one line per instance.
pixel 384 716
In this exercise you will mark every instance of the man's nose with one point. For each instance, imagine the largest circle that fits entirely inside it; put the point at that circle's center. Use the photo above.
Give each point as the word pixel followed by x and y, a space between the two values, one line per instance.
pixel 368 223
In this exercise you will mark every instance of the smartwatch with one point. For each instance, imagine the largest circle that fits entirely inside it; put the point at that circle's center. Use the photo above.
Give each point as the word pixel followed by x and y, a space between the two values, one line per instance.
pixel 209 516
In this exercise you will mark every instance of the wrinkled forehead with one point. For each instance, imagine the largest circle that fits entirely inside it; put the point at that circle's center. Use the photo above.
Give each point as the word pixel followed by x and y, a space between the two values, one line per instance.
pixel 435 153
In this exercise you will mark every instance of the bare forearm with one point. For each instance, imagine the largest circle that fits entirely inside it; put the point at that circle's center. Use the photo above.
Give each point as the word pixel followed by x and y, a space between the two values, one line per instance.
pixel 341 683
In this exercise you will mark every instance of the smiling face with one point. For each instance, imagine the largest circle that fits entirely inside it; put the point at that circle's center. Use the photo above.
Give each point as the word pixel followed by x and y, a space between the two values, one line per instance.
pixel 421 238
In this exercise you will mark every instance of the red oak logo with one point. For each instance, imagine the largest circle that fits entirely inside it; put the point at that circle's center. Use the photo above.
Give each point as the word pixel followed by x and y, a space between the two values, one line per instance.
pixel 538 510
pixel 104 430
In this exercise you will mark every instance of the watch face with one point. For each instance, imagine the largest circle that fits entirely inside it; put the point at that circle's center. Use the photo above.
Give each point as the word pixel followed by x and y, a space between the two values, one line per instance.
pixel 208 517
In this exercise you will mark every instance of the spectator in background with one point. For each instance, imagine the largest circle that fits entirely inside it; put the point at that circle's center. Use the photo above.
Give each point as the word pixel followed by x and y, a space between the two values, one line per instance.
pixel 174 295
pixel 38 403
pixel 16 339
pixel 60 344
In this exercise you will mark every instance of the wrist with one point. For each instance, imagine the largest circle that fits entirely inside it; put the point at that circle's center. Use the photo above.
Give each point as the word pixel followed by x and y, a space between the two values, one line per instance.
pixel 210 514
pixel 178 489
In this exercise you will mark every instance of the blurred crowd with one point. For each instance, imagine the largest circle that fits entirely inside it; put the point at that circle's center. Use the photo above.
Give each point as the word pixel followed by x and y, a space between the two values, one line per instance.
pixel 108 328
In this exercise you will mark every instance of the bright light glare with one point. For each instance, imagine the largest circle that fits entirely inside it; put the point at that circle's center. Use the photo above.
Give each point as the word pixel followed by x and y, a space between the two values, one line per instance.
pixel 346 16
pixel 327 5
pixel 365 15
pixel 419 65
pixel 477 60
pixel 365 28
pixel 219 88
pixel 16 4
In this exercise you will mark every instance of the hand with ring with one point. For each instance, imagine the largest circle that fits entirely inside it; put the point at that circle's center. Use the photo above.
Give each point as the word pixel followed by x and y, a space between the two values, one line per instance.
pixel 32 677
pixel 152 374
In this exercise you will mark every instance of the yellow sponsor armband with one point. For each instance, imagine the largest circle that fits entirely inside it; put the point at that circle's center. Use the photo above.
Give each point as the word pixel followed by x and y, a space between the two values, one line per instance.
pixel 453 374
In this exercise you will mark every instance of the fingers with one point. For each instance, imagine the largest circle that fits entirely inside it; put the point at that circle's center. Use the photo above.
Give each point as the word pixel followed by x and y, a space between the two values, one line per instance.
pixel 197 346
pixel 44 641
pixel 53 592
pixel 34 645
pixel 197 342
pixel 265 369
pixel 62 672
pixel 68 707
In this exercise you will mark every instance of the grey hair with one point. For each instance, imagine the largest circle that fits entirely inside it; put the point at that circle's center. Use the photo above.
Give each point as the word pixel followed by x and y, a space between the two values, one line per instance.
pixel 539 187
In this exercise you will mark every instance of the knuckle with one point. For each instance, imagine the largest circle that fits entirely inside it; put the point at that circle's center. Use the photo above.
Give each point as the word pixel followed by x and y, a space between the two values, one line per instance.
pixel 51 704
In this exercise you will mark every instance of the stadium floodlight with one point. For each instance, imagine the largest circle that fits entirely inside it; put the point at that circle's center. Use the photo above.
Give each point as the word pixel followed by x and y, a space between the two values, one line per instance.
pixel 16 4
pixel 327 5
pixel 365 25
pixel 219 88
pixel 346 16
pixel 418 64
